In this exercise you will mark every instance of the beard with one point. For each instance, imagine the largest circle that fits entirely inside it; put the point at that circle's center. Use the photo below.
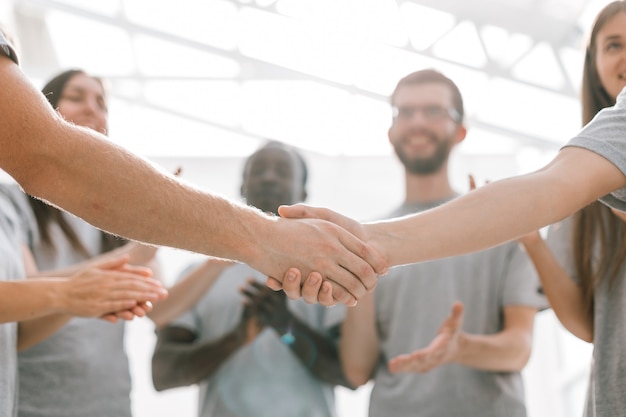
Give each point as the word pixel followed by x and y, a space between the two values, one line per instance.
pixel 425 166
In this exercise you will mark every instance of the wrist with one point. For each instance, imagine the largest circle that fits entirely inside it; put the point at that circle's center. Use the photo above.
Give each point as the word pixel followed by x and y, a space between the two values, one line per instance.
pixel 256 234
pixel 286 332
pixel 460 346
pixel 56 295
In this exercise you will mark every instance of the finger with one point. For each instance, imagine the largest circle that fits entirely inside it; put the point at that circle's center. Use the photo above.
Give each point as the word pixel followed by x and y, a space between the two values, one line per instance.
pixel 377 264
pixel 112 264
pixel 341 295
pixel 111 318
pixel 311 288
pixel 456 316
pixel 326 295
pixel 362 278
pixel 274 284
pixel 125 315
pixel 137 270
pixel 472 182
pixel 400 363
pixel 291 284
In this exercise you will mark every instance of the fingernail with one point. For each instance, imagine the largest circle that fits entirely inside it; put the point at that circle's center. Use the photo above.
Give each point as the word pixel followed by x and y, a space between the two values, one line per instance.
pixel 291 276
pixel 313 280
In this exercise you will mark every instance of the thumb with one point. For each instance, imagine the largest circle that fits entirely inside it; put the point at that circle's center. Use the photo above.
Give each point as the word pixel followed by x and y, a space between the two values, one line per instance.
pixel 112 264
pixel 297 211
pixel 456 317
pixel 302 211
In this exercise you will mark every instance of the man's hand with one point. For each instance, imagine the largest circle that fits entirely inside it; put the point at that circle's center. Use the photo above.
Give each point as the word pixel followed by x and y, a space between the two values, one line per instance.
pixel 443 348
pixel 356 274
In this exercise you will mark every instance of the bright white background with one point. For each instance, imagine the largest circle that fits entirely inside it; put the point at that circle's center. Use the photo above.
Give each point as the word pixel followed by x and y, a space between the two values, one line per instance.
pixel 200 83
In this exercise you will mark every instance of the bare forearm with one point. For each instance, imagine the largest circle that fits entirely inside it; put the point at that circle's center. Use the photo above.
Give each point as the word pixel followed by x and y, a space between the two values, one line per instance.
pixel 186 292
pixel 565 295
pixel 104 182
pixel 499 211
pixel 481 219
pixel 180 364
pixel 359 347
pixel 29 299
pixel 31 332
pixel 507 351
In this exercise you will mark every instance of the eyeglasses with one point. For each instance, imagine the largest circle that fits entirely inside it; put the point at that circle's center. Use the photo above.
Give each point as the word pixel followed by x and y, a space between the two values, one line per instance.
pixel 430 113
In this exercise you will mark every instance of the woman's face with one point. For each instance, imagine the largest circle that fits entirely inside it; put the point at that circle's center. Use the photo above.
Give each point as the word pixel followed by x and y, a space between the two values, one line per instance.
pixel 83 103
pixel 611 54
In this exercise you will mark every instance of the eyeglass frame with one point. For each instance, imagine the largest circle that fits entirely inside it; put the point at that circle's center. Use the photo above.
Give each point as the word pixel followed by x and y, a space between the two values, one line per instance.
pixel 449 111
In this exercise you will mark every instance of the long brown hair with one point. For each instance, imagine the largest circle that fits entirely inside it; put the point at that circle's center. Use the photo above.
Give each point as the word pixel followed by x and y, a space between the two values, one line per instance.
pixel 599 237
pixel 47 215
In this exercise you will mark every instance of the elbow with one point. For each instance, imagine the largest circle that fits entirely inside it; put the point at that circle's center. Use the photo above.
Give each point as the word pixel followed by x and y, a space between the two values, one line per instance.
pixel 356 376
pixel 523 355
pixel 163 373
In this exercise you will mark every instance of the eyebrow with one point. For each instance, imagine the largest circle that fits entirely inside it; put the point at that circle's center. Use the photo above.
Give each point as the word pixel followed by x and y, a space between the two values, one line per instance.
pixel 612 38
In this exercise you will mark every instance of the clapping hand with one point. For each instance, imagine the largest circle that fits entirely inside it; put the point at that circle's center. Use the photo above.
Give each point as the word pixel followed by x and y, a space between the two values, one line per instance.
pixel 270 307
pixel 442 349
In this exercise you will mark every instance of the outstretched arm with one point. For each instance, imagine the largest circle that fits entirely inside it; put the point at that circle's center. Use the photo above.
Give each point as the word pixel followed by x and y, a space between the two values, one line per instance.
pixel 122 193
pixel 505 351
pixel 497 212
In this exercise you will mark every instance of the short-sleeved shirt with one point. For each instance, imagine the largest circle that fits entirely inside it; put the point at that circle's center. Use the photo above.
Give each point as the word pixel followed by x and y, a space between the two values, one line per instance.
pixel 606 136
pixel 249 382
pixel 82 369
pixel 411 303
pixel 606 394
pixel 11 268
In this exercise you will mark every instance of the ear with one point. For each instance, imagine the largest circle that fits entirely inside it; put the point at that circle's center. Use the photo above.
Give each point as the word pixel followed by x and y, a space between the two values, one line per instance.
pixel 461 132
pixel 389 135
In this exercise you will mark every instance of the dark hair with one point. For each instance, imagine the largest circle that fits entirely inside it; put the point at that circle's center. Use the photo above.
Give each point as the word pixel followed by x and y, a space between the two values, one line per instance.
pixel 274 144
pixel 47 215
pixel 596 229
pixel 429 76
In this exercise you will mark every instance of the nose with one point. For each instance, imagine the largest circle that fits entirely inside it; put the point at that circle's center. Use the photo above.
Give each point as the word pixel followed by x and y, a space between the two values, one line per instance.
pixel 92 106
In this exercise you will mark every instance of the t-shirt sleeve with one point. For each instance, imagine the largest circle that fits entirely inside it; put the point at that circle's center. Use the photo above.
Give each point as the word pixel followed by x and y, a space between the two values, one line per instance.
pixel 606 136
pixel 522 286
pixel 7 49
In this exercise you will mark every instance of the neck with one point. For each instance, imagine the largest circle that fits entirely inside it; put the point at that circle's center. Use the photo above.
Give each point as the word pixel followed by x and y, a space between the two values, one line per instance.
pixel 428 188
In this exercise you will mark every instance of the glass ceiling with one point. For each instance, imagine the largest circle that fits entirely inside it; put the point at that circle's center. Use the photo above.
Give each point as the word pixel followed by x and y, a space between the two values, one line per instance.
pixel 215 78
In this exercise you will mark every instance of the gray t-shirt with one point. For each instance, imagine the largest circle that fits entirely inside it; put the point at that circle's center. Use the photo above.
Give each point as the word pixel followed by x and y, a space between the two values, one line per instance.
pixel 11 268
pixel 606 136
pixel 251 380
pixel 411 303
pixel 606 395
pixel 82 369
